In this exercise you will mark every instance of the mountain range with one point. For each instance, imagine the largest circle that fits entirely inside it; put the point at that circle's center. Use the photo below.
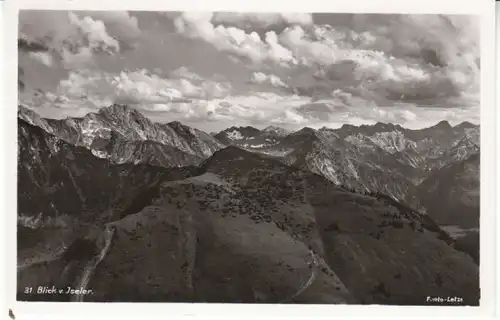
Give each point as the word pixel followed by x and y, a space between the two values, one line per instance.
pixel 122 134
pixel 383 157
pixel 143 211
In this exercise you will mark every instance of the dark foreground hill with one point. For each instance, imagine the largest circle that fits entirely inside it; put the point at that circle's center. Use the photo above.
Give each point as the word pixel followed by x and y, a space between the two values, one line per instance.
pixel 452 194
pixel 452 198
pixel 241 227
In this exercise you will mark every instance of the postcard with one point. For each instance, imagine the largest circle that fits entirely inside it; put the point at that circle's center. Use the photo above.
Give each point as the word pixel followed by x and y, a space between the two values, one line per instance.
pixel 304 157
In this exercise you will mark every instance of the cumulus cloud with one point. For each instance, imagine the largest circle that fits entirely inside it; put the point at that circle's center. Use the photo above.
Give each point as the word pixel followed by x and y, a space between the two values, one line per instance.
pixel 295 112
pixel 251 20
pixel 244 20
pixel 75 37
pixel 307 50
pixel 271 79
pixel 120 25
pixel 140 87
pixel 339 110
pixel 412 58
pixel 212 106
pixel 294 69
pixel 43 57
pixel 185 73
pixel 93 33
pixel 233 40
pixel 425 59
pixel 88 38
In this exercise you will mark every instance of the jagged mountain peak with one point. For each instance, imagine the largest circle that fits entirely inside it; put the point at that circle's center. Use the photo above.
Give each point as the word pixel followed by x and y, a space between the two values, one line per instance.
pixel 465 125
pixel 384 126
pixel 325 128
pixel 368 130
pixel 115 108
pixel 32 117
pixel 303 137
pixel 442 125
pixel 379 126
pixel 328 133
pixel 237 133
pixel 24 109
pixel 306 131
pixel 276 130
pixel 120 110
pixel 271 128
pixel 180 127
pixel 347 125
pixel 26 113
pixel 176 124
pixel 248 129
pixel 124 127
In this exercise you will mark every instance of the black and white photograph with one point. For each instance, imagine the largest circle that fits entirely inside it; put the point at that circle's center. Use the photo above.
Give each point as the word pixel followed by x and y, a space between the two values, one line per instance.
pixel 248 158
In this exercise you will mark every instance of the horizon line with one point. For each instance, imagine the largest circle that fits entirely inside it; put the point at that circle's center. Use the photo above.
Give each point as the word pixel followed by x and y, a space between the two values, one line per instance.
pixel 248 126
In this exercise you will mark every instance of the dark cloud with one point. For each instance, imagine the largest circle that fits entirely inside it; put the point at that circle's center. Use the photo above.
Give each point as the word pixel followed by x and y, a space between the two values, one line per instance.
pixel 20 81
pixel 26 45
pixel 319 111
pixel 431 56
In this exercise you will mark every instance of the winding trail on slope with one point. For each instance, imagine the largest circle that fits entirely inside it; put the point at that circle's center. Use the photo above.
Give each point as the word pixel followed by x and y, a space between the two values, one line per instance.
pixel 309 281
pixel 314 259
pixel 89 269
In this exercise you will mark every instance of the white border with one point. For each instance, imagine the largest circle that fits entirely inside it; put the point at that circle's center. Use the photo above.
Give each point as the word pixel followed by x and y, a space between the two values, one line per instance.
pixel 484 8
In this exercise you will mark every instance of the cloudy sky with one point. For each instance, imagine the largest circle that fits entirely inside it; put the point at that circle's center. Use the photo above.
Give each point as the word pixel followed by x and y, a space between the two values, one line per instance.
pixel 214 70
